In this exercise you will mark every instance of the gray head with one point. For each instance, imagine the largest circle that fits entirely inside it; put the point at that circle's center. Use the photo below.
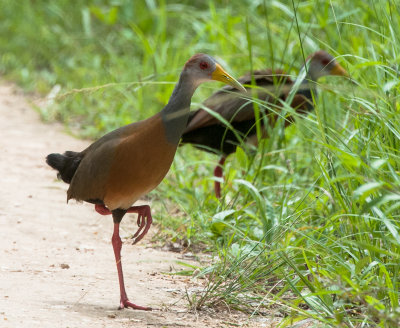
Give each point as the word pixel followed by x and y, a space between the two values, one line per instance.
pixel 198 69
pixel 201 68
pixel 321 63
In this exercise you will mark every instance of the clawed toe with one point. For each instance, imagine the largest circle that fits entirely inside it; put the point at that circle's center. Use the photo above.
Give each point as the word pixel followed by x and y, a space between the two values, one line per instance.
pixel 129 304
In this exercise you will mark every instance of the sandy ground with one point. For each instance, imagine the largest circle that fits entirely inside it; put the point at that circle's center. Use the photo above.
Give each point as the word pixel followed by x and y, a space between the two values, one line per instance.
pixel 56 260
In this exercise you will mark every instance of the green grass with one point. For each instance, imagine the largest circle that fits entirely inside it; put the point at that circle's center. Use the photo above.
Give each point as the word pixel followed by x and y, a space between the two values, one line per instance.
pixel 308 226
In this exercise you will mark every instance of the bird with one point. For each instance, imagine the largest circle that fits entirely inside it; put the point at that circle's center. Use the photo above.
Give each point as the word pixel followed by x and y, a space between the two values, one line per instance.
pixel 127 163
pixel 208 132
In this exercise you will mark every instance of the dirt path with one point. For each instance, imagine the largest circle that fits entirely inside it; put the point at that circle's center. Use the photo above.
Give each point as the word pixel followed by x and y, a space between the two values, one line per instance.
pixel 56 261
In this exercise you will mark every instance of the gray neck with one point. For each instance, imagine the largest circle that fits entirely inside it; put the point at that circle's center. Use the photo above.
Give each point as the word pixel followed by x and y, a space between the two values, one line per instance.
pixel 306 80
pixel 311 77
pixel 175 114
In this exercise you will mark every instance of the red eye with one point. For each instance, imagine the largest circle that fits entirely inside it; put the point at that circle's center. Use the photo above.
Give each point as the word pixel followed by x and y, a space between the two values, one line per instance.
pixel 203 65
pixel 325 62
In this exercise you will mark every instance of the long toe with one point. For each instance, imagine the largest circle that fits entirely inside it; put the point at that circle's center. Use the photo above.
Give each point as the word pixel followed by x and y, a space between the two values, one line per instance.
pixel 146 223
pixel 141 222
pixel 128 303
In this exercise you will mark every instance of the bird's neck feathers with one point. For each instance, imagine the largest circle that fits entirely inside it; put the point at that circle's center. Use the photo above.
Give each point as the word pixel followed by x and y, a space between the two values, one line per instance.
pixel 310 72
pixel 175 114
pixel 305 81
pixel 307 77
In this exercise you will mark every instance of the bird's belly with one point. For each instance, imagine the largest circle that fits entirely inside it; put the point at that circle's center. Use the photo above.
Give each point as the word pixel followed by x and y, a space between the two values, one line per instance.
pixel 126 194
pixel 126 185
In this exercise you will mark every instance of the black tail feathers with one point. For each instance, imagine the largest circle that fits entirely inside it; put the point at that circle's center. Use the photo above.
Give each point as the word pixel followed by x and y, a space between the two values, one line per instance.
pixel 66 164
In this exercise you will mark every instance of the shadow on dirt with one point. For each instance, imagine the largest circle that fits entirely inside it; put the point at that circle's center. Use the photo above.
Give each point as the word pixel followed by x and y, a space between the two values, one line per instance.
pixel 154 318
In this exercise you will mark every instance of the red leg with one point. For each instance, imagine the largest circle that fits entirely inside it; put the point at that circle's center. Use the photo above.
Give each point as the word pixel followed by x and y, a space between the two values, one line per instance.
pixel 144 219
pixel 101 209
pixel 218 173
pixel 117 246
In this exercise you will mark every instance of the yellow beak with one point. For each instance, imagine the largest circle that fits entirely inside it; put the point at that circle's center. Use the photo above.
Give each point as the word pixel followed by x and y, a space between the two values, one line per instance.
pixel 339 70
pixel 220 75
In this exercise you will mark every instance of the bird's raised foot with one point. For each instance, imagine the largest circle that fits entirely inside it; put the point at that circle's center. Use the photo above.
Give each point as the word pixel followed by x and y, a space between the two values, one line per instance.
pixel 144 221
pixel 128 304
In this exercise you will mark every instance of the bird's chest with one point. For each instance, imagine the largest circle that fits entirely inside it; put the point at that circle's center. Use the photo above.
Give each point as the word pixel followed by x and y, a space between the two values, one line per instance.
pixel 139 166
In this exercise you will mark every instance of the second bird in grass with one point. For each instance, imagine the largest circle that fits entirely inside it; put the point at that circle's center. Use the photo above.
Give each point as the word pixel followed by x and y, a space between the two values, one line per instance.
pixel 209 133
pixel 127 163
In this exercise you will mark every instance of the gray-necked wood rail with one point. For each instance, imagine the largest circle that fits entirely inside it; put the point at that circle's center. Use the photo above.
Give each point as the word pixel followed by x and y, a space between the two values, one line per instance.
pixel 127 163
pixel 207 132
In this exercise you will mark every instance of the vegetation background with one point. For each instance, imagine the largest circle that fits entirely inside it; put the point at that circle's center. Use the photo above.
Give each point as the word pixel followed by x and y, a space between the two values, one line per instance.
pixel 308 223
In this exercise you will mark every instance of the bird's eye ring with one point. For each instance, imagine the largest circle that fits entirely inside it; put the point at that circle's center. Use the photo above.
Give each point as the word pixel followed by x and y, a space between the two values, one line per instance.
pixel 203 65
